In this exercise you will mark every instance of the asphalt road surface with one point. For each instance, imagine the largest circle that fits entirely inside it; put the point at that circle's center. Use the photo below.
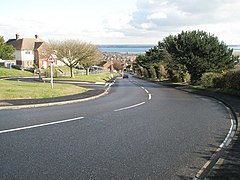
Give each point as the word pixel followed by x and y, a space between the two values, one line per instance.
pixel 138 131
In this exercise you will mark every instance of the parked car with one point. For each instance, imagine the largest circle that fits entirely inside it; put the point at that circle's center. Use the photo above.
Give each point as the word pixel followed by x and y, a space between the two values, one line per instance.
pixel 125 75
pixel 19 67
pixel 33 70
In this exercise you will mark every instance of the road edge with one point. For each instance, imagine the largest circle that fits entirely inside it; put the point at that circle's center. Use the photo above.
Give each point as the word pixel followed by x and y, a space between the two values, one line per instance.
pixel 215 161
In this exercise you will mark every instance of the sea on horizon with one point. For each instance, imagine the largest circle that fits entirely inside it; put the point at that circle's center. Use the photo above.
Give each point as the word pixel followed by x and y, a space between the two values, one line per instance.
pixel 125 48
pixel 138 48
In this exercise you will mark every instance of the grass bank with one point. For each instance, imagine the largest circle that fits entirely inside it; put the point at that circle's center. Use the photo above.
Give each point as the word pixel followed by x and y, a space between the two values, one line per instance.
pixel 233 92
pixel 6 72
pixel 33 90
pixel 100 77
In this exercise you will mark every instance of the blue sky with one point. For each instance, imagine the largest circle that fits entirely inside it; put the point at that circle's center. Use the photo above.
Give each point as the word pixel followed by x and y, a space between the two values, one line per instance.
pixel 119 21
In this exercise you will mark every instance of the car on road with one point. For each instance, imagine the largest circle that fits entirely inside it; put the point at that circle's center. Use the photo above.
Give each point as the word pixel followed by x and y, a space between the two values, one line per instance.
pixel 125 75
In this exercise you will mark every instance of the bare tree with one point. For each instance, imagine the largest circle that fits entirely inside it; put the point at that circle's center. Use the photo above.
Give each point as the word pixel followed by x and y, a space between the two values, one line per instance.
pixel 75 52
pixel 91 58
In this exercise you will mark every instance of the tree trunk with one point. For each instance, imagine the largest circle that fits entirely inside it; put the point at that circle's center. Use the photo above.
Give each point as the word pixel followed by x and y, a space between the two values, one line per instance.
pixel 87 71
pixel 71 72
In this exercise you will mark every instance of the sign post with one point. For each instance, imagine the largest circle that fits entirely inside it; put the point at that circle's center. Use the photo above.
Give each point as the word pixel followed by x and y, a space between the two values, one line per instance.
pixel 51 72
pixel 51 60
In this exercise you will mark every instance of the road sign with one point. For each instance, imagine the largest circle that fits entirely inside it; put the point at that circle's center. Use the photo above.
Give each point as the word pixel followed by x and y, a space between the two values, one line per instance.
pixel 50 58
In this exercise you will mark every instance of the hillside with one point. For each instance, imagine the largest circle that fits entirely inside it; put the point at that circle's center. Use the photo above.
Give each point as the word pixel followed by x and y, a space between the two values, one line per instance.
pixel 6 72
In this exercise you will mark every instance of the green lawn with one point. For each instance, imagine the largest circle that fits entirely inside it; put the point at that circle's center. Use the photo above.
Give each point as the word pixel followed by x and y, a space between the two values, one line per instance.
pixel 101 77
pixel 32 90
pixel 27 90
pixel 6 72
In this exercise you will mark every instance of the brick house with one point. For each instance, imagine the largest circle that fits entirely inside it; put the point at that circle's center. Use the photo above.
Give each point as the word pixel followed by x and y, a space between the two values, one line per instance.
pixel 29 51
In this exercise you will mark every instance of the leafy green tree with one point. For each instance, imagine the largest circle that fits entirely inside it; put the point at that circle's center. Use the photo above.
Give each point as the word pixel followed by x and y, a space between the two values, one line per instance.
pixel 199 52
pixel 75 52
pixel 6 51
pixel 154 61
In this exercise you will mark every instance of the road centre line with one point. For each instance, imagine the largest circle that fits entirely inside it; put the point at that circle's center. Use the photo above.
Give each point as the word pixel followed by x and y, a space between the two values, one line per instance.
pixel 136 105
pixel 129 107
pixel 149 96
pixel 40 125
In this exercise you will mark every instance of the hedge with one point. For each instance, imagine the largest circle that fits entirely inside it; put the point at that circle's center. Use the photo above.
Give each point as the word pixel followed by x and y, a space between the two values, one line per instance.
pixel 229 80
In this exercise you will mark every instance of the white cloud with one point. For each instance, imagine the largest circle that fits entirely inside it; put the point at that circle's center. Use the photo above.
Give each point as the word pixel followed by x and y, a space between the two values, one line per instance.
pixel 146 25
pixel 158 15
pixel 108 21
pixel 219 17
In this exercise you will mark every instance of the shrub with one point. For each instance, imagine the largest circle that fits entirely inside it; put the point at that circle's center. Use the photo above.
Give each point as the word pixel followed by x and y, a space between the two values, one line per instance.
pixel 145 73
pixel 210 79
pixel 152 72
pixel 232 80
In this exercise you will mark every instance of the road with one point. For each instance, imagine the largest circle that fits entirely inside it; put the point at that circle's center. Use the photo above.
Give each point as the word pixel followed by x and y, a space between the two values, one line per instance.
pixel 140 130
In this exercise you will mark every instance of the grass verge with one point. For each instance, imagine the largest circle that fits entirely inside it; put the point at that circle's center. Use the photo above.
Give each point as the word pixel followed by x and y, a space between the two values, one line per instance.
pixel 233 92
pixel 101 77
pixel 6 72
pixel 27 90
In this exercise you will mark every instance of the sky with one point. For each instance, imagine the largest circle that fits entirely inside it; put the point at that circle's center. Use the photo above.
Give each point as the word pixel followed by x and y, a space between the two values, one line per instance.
pixel 119 21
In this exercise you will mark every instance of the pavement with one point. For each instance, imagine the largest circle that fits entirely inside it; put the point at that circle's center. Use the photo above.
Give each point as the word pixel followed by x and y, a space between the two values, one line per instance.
pixel 223 165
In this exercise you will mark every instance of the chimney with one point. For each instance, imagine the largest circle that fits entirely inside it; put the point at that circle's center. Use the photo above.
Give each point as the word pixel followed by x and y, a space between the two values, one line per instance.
pixel 17 36
pixel 36 36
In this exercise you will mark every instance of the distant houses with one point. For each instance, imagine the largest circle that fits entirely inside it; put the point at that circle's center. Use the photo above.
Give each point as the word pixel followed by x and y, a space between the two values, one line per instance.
pixel 29 51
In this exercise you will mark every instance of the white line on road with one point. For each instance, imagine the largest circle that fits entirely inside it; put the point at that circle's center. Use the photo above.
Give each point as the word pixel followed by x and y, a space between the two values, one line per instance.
pixel 202 173
pixel 40 125
pixel 149 96
pixel 129 107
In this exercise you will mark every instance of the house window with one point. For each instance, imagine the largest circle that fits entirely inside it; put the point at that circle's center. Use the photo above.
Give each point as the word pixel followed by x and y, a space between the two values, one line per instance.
pixel 44 52
pixel 27 52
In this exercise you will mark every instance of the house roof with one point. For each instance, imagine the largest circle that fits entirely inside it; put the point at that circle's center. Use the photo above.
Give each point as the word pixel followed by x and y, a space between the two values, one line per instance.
pixel 26 43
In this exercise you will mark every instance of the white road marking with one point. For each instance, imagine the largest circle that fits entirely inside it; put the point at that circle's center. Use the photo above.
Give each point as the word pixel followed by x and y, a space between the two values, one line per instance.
pixel 149 96
pixel 139 104
pixel 225 143
pixel 40 125
pixel 230 135
pixel 129 107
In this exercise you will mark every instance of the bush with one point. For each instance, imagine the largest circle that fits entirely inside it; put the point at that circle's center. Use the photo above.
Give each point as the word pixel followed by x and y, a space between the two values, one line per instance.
pixel 152 72
pixel 232 80
pixel 145 73
pixel 229 80
pixel 210 79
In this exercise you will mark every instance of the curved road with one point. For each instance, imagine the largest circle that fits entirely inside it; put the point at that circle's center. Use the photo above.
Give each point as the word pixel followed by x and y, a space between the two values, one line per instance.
pixel 138 131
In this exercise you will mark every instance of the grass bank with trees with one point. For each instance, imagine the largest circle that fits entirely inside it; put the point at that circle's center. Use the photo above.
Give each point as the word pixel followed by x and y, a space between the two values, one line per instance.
pixel 191 57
